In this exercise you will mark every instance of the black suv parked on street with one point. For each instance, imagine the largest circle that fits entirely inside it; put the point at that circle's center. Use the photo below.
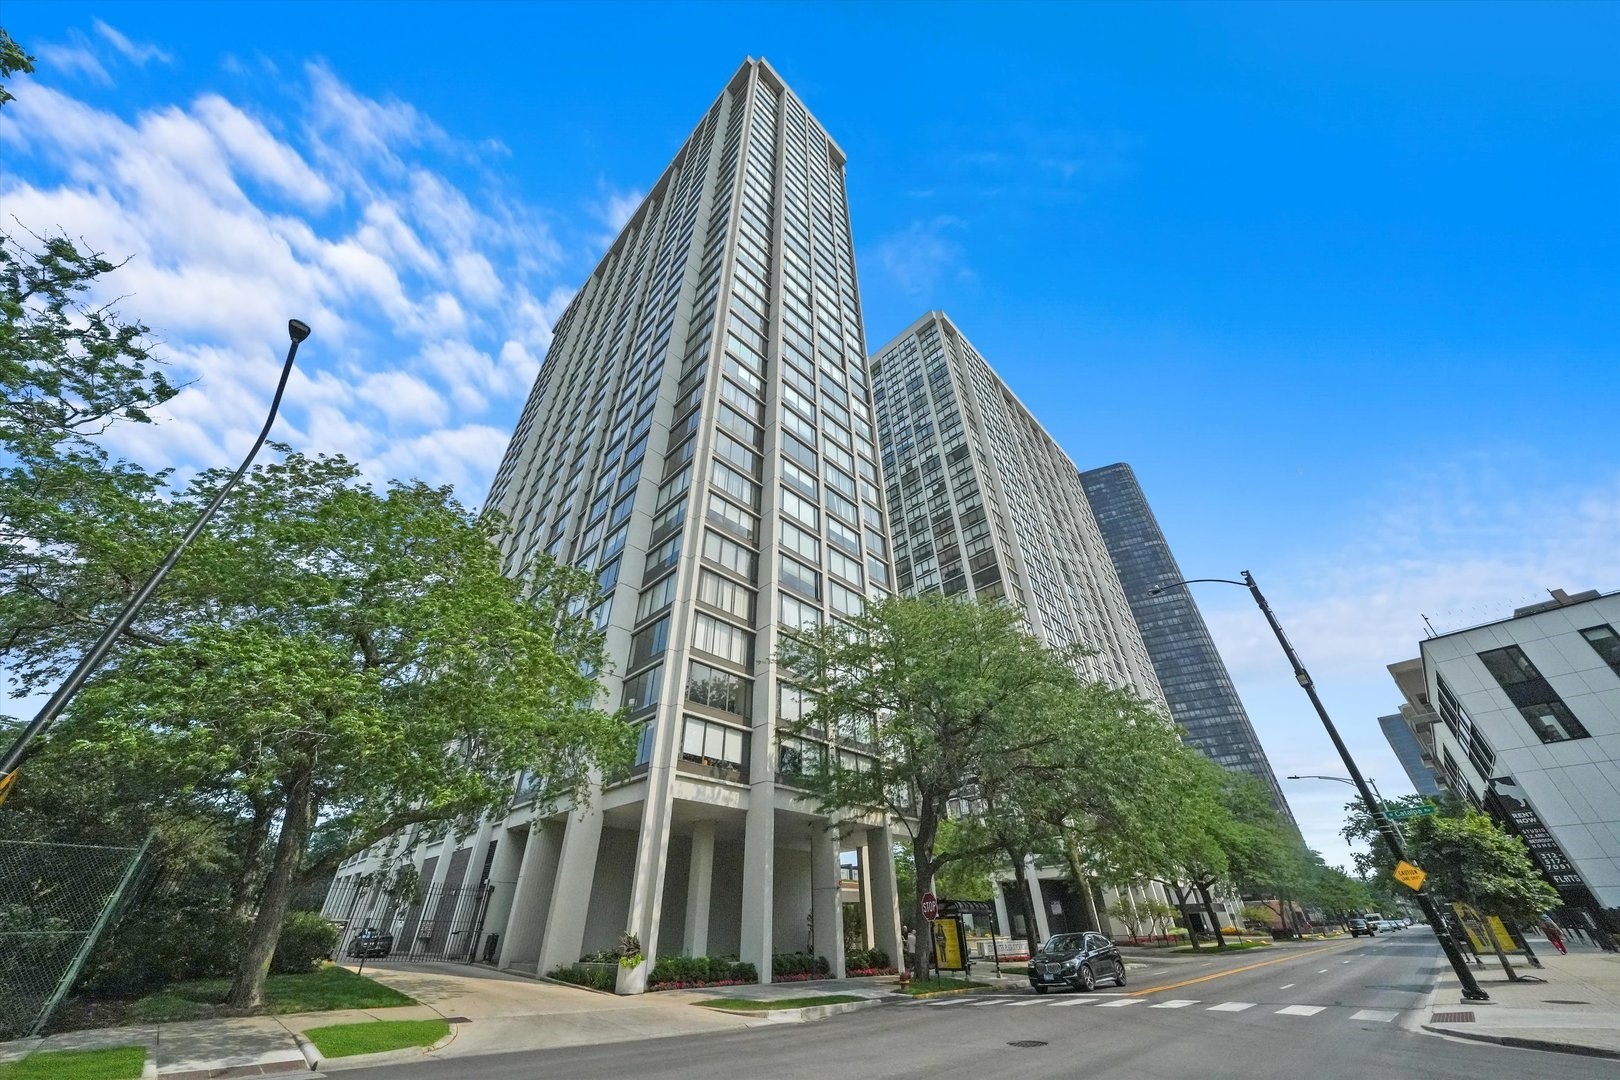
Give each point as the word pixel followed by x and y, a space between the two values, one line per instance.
pixel 1076 960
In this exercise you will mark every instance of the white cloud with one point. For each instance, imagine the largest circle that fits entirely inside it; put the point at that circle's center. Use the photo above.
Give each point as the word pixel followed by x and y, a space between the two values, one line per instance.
pixel 137 52
pixel 77 58
pixel 921 256
pixel 1463 542
pixel 431 302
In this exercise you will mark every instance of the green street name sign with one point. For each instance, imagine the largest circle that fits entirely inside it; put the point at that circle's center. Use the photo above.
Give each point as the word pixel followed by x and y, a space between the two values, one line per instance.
pixel 1406 813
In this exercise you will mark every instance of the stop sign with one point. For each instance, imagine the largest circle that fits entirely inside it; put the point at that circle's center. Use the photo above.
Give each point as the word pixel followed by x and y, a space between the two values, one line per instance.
pixel 930 906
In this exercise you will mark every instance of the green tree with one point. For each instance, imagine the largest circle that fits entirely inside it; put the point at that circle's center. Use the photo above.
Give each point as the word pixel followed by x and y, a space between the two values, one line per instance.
pixel 12 60
pixel 351 662
pixel 1467 856
pixel 940 695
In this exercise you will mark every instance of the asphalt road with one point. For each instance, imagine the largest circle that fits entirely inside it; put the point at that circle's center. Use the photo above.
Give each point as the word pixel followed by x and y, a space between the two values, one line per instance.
pixel 1320 1012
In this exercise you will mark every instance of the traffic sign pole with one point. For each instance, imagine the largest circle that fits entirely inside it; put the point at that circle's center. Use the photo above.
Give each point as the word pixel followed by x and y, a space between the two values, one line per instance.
pixel 1470 986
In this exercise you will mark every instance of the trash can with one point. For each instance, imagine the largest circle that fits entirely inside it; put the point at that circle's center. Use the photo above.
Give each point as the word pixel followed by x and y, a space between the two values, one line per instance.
pixel 491 950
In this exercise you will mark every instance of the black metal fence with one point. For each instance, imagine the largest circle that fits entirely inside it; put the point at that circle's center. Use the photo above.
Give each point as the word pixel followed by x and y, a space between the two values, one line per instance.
pixel 56 900
pixel 440 923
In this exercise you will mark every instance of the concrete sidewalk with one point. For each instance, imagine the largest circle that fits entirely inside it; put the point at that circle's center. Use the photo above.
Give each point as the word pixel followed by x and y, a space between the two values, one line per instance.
pixel 1574 1010
pixel 488 1012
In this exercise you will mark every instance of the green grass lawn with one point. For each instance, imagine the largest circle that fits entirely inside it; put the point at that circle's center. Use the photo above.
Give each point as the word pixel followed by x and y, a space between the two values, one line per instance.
pixel 113 1063
pixel 332 987
pixel 346 1040
pixel 758 1005
pixel 1229 945
pixel 934 986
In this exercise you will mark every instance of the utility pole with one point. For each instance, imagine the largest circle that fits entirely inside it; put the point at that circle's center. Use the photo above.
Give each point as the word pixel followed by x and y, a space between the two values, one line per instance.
pixel 91 660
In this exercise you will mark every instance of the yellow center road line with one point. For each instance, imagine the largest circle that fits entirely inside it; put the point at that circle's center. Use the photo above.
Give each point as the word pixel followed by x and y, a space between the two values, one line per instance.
pixel 1229 971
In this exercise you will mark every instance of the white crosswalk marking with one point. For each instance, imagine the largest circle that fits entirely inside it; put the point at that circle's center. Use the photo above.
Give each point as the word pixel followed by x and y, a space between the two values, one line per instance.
pixel 1383 1016
pixel 1177 1004
pixel 1066 1002
pixel 1231 1006
pixel 1285 986
pixel 1301 1010
pixel 1117 1004
pixel 1018 1004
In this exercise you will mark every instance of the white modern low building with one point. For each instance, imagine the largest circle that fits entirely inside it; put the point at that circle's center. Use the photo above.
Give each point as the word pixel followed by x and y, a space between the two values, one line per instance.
pixel 1529 726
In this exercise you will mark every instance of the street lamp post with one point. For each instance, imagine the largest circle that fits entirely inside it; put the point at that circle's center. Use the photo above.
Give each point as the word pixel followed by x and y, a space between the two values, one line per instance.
pixel 91 660
pixel 1470 986
pixel 1346 780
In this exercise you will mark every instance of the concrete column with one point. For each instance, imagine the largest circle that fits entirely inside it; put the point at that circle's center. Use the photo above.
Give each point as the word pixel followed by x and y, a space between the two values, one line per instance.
pixel 1042 929
pixel 864 860
pixel 531 899
pixel 884 920
pixel 564 936
pixel 756 932
pixel 699 885
pixel 510 847
pixel 999 895
pixel 826 909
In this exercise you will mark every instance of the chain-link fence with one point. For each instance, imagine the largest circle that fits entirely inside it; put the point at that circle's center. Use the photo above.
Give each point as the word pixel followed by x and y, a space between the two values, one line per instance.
pixel 56 900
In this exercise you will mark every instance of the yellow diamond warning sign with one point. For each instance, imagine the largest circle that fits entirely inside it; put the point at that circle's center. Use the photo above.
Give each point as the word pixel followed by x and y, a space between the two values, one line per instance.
pixel 1409 875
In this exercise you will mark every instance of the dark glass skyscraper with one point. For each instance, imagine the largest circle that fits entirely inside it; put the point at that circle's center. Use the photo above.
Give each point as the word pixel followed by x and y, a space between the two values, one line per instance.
pixel 1191 672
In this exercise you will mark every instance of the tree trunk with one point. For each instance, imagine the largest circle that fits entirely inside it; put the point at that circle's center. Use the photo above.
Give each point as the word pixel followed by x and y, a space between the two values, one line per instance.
pixel 1021 886
pixel 1496 947
pixel 298 817
pixel 1082 884
pixel 1209 905
pixel 922 863
pixel 1186 916
pixel 252 861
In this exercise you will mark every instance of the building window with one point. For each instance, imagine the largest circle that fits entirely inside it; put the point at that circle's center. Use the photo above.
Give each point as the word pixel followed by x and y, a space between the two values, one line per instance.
pixel 641 691
pixel 705 742
pixel 723 640
pixel 1553 722
pixel 1532 695
pixel 649 642
pixel 1510 666
pixel 720 690
pixel 1606 642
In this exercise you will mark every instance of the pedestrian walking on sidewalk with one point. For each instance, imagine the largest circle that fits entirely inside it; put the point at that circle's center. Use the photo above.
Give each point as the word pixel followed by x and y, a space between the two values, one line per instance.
pixel 1554 935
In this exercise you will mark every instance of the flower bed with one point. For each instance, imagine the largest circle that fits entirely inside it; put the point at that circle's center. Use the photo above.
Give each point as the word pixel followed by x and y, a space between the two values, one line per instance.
pixel 862 973
pixel 696 972
pixel 699 984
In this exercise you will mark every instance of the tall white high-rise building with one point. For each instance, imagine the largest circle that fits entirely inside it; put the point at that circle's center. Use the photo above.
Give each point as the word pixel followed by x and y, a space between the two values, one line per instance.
pixel 701 437
pixel 986 504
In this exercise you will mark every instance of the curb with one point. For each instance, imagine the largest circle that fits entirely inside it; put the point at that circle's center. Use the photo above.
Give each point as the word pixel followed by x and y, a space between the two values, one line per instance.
pixel 149 1067
pixel 1524 1044
pixel 818 1012
pixel 360 1061
pixel 948 993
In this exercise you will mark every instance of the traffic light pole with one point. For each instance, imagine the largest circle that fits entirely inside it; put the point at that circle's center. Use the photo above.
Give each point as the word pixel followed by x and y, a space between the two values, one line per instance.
pixel 1386 828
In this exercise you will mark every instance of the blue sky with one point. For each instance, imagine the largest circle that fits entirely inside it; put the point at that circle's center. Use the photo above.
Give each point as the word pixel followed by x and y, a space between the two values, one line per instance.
pixel 1342 283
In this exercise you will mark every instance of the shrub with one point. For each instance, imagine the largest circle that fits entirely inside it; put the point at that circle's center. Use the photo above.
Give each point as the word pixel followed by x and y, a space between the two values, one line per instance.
pixel 866 960
pixel 306 939
pixel 595 978
pixel 670 972
pixel 800 965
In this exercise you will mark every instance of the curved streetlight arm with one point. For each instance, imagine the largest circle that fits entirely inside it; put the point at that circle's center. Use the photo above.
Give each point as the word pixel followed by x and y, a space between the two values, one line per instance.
pixel 1194 581
pixel 91 660
pixel 1386 828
